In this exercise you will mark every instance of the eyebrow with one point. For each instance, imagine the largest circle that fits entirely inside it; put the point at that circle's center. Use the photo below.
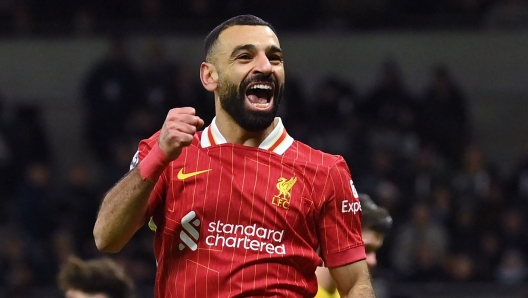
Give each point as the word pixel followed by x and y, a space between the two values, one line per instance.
pixel 250 47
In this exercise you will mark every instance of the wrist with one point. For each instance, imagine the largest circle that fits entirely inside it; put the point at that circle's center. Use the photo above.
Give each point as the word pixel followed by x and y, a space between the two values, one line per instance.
pixel 152 166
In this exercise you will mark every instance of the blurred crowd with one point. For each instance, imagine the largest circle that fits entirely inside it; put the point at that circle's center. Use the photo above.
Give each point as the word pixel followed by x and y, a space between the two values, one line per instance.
pixel 23 17
pixel 457 218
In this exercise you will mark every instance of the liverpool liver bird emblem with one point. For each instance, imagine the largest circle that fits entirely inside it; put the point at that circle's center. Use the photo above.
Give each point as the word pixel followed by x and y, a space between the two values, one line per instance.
pixel 284 186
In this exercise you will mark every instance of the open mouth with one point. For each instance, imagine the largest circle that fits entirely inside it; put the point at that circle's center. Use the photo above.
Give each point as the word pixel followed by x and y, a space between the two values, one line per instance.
pixel 260 94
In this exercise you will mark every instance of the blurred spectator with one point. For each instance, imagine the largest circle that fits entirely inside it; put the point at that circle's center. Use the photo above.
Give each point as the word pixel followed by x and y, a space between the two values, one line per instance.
pixel 33 200
pixel 101 277
pixel 420 235
pixel 390 113
pixel 444 120
pixel 34 217
pixel 461 268
pixel 512 230
pixel 28 135
pixel 474 179
pixel 464 232
pixel 75 211
pixel 442 203
pixel 491 206
pixel 335 102
pixel 16 271
pixel 334 106
pixel 427 267
pixel 423 173
pixel 488 255
pixel 111 90
pixel 512 268
pixel 389 98
pixel 381 180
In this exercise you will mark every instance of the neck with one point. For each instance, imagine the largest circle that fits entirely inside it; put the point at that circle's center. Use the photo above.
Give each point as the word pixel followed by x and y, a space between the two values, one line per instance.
pixel 234 133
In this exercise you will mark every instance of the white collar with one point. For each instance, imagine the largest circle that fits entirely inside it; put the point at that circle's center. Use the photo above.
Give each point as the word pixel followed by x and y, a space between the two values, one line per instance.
pixel 277 141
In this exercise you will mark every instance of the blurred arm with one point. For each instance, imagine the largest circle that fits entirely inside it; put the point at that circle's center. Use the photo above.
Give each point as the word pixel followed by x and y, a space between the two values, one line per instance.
pixel 353 280
pixel 122 212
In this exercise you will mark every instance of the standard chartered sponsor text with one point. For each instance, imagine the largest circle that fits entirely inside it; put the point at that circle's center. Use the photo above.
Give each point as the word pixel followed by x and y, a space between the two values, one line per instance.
pixel 248 237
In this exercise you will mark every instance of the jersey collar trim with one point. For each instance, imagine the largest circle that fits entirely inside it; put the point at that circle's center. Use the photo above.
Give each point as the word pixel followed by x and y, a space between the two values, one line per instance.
pixel 277 141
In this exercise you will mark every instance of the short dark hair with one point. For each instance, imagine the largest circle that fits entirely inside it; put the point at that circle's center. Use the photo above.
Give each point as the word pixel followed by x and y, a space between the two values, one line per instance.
pixel 374 217
pixel 101 275
pixel 241 20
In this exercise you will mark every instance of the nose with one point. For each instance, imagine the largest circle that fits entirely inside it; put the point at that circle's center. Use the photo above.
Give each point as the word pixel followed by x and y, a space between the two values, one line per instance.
pixel 262 64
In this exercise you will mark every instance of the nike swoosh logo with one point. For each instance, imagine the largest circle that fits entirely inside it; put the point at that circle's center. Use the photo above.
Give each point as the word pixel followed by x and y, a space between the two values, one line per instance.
pixel 183 176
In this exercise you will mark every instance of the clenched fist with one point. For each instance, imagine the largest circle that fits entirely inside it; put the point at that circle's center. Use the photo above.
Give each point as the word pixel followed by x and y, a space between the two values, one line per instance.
pixel 178 131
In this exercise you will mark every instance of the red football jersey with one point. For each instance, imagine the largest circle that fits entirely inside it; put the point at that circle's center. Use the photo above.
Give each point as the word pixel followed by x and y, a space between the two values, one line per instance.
pixel 239 221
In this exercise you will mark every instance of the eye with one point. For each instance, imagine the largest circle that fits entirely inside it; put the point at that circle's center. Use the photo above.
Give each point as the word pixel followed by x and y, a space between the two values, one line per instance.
pixel 244 56
pixel 275 58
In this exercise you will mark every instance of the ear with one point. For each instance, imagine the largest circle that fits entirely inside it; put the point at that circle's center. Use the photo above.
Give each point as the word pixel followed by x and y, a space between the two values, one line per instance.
pixel 209 76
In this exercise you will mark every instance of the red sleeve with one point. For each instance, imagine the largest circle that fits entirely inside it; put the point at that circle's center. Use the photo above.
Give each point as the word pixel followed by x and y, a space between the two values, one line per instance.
pixel 340 219
pixel 156 196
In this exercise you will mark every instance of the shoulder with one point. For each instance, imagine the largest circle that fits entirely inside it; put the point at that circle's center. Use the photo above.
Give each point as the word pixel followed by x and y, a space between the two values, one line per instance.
pixel 308 154
pixel 146 144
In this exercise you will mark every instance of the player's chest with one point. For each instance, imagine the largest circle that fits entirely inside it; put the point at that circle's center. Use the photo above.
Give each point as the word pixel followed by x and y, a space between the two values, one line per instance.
pixel 243 188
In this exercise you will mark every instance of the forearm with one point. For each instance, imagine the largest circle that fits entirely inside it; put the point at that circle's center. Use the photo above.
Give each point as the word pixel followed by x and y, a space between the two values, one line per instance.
pixel 363 290
pixel 353 280
pixel 122 212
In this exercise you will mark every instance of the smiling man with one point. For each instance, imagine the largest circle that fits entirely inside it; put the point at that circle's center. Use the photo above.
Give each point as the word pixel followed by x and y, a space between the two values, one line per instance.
pixel 240 208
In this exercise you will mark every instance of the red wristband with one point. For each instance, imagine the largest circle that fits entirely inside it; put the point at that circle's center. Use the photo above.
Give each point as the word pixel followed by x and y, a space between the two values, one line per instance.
pixel 151 167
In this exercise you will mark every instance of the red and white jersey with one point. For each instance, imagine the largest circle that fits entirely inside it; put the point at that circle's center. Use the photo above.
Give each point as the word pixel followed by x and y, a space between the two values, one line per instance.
pixel 239 221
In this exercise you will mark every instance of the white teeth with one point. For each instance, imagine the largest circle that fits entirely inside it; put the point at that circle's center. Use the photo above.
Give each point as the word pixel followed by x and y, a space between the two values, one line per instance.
pixel 261 105
pixel 261 86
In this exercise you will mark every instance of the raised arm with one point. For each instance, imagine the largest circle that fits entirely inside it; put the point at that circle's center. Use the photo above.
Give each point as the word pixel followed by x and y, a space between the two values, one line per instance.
pixel 124 207
pixel 353 280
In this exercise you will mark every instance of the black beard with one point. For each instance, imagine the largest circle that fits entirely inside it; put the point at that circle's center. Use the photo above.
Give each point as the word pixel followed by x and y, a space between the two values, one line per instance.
pixel 233 101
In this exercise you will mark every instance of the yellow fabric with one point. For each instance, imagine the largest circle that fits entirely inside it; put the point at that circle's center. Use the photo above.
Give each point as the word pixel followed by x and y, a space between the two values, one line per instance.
pixel 322 293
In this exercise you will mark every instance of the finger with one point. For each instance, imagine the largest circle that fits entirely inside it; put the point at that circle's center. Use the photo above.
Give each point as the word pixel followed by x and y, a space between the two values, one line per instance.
pixel 185 118
pixel 200 122
pixel 182 127
pixel 183 110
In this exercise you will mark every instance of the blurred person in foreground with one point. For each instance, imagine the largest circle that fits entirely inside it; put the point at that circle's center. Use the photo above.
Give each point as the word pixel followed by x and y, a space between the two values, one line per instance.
pixel 96 278
pixel 240 208
pixel 376 223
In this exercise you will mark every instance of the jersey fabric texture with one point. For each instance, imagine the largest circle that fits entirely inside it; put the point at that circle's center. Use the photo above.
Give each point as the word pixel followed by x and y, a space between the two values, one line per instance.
pixel 240 221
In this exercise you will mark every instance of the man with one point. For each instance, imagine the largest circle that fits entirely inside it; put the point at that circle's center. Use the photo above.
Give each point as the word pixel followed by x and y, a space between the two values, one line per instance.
pixel 97 278
pixel 376 223
pixel 240 208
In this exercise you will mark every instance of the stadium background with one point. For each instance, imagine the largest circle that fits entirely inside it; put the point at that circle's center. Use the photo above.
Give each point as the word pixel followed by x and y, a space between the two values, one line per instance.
pixel 426 100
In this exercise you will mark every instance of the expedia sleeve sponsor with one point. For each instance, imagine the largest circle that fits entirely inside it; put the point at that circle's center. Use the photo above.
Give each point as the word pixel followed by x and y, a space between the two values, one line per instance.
pixel 353 207
pixel 247 237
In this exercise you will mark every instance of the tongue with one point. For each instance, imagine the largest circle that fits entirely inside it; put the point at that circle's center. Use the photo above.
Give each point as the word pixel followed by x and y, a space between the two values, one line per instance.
pixel 255 99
